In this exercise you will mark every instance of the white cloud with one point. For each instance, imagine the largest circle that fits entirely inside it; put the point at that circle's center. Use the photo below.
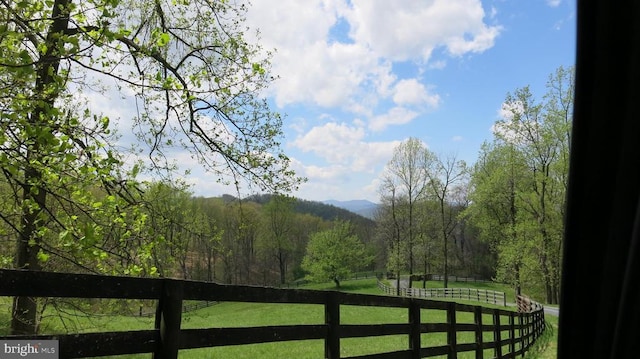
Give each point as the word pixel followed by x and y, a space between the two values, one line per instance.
pixel 412 92
pixel 347 189
pixel 554 3
pixel 332 141
pixel 350 181
pixel 311 68
pixel 493 12
pixel 457 138
pixel 328 173
pixel 315 67
pixel 413 29
pixel 327 75
pixel 515 131
pixel 344 150
pixel 395 116
pixel 508 111
pixel 437 65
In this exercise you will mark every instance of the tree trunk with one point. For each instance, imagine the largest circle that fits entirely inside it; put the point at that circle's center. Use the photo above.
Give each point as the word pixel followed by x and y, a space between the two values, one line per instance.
pixel 446 266
pixel 282 265
pixel 424 276
pixel 518 288
pixel 445 238
pixel 208 261
pixel 547 281
pixel 24 315
pixel 337 282
pixel 24 312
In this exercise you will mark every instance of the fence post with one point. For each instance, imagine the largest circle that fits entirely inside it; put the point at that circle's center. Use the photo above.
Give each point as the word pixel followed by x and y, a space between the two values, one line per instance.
pixel 512 334
pixel 451 332
pixel 527 317
pixel 523 338
pixel 477 315
pixel 534 327
pixel 168 318
pixel 496 333
pixel 414 322
pixel 332 320
pixel 540 318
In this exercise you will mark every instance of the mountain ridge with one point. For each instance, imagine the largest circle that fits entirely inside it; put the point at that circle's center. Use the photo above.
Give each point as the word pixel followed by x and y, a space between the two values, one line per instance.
pixel 362 207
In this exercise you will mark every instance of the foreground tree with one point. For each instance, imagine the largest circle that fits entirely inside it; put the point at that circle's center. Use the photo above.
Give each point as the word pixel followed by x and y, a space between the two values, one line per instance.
pixel 520 185
pixel 332 255
pixel 195 81
pixel 497 177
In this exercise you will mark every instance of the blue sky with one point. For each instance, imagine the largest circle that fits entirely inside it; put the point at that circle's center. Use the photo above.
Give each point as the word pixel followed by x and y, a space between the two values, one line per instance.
pixel 358 77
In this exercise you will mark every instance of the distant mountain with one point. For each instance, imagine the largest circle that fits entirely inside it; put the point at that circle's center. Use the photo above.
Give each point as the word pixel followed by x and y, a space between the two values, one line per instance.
pixel 361 206
pixel 326 211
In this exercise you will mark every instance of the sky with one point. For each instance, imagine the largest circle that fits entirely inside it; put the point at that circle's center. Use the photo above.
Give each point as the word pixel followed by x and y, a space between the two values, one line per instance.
pixel 358 77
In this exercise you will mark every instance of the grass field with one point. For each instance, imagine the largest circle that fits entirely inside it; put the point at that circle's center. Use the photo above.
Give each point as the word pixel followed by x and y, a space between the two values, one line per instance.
pixel 231 314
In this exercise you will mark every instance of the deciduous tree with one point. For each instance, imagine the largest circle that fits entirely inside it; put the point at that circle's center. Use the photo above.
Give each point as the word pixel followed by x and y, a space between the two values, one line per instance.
pixel 277 234
pixel 195 80
pixel 446 178
pixel 519 189
pixel 334 254
pixel 406 178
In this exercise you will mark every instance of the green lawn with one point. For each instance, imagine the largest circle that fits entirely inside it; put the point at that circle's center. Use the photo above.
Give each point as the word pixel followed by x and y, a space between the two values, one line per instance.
pixel 258 314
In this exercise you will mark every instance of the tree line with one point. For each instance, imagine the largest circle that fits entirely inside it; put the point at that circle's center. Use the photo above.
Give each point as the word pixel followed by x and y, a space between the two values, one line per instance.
pixel 268 240
pixel 502 216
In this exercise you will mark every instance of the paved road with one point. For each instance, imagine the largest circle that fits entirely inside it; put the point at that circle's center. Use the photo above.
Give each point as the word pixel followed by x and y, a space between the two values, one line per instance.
pixel 552 311
pixel 404 283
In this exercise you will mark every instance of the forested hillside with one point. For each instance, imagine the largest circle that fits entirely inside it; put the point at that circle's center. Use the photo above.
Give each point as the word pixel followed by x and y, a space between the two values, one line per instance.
pixel 325 211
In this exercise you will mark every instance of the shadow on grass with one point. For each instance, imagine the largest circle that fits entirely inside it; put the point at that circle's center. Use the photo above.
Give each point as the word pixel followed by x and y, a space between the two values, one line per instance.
pixel 363 286
pixel 356 286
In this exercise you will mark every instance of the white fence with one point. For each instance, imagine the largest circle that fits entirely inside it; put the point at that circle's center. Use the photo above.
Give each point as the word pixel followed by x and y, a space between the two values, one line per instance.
pixel 479 295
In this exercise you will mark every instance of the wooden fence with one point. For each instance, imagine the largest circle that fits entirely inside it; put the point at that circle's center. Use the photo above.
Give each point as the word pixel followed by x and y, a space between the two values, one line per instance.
pixel 455 278
pixel 439 277
pixel 185 308
pixel 513 333
pixel 525 304
pixel 479 295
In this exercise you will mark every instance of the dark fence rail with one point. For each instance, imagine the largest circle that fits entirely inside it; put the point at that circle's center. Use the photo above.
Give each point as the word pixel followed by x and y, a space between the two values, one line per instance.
pixel 479 295
pixel 167 338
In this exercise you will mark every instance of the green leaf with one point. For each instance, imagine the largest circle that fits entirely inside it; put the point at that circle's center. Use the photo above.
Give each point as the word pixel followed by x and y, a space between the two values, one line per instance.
pixel 163 39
